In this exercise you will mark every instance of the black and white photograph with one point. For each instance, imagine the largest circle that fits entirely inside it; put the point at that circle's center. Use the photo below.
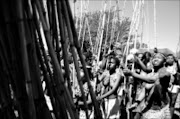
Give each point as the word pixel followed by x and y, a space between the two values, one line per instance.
pixel 90 59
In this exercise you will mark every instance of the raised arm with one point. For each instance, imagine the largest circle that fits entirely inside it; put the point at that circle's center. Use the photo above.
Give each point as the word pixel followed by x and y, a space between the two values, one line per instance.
pixel 143 78
pixel 147 79
pixel 143 66
pixel 102 76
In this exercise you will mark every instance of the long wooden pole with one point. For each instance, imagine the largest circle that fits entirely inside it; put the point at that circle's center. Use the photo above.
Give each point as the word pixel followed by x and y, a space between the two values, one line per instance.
pixel 64 10
pixel 60 99
pixel 147 25
pixel 101 40
pixel 25 62
pixel 76 43
pixel 98 32
pixel 87 24
pixel 155 27
pixel 102 33
pixel 6 74
pixel 64 46
pixel 47 80
pixel 84 33
pixel 90 39
pixel 137 24
pixel 55 31
pixel 46 71
pixel 127 49
pixel 107 28
pixel 100 45
pixel 142 25
pixel 81 21
pixel 130 32
pixel 113 27
pixel 60 82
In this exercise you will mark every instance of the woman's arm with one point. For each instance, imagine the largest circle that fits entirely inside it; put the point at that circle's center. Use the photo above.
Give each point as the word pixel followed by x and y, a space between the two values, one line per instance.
pixel 146 79
pixel 143 66
pixel 102 76
pixel 104 61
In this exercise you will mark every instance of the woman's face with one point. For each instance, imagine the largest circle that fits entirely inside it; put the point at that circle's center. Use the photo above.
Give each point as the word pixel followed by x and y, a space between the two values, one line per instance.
pixel 170 60
pixel 148 57
pixel 111 64
pixel 158 60
pixel 140 56
pixel 130 64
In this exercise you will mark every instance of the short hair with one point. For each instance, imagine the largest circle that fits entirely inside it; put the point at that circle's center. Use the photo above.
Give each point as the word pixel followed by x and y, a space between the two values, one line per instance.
pixel 171 55
pixel 116 60
pixel 155 50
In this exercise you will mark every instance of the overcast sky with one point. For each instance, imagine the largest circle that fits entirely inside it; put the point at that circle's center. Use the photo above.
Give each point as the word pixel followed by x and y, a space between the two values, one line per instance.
pixel 167 19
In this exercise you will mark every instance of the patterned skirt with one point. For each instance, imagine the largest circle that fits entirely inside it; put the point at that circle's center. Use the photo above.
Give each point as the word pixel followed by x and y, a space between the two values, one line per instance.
pixel 164 113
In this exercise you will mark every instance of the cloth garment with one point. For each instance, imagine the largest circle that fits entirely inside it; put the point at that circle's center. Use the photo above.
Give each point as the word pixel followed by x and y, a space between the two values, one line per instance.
pixel 163 113
pixel 82 114
pixel 172 69
pixel 112 108
pixel 177 106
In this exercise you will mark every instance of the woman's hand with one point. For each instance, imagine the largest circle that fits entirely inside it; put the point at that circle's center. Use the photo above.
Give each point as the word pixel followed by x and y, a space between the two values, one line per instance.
pixel 98 98
pixel 75 100
pixel 127 72
pixel 136 59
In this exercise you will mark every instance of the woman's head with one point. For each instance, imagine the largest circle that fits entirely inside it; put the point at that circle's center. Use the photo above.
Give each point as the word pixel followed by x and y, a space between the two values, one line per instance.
pixel 170 59
pixel 146 57
pixel 158 60
pixel 155 50
pixel 130 61
pixel 140 56
pixel 113 63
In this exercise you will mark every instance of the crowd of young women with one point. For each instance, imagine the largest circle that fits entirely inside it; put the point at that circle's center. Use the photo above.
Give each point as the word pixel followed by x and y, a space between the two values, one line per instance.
pixel 144 86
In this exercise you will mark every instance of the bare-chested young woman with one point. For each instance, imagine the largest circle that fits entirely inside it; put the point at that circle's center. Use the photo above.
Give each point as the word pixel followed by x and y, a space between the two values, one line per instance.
pixel 112 108
pixel 158 82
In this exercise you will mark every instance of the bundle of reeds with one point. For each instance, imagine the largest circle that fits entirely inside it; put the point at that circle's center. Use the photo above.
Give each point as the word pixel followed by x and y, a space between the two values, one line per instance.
pixel 26 28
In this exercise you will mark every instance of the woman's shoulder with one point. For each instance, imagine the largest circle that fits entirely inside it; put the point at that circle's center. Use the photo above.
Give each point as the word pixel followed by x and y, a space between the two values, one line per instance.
pixel 105 73
pixel 119 72
pixel 164 72
pixel 149 65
